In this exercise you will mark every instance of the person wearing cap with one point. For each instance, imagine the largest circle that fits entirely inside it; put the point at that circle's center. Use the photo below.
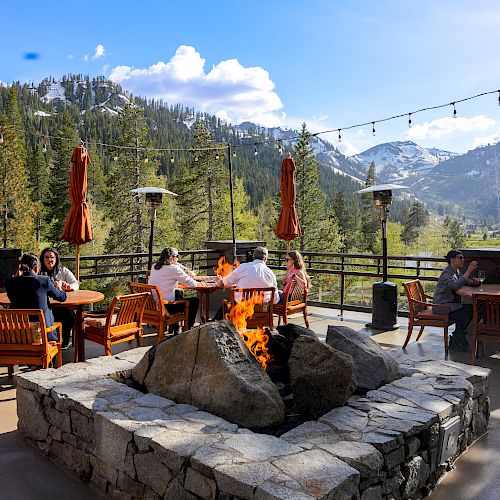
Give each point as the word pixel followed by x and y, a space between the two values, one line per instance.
pixel 449 282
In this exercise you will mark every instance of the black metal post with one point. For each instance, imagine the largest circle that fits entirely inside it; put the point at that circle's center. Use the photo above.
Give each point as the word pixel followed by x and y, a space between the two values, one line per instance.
pixel 152 216
pixel 233 226
pixel 384 245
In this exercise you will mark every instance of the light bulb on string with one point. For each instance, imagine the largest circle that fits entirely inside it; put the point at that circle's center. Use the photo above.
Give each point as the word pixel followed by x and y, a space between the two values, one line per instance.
pixel 196 158
pixel 255 152
pixel 115 157
pixel 409 120
pixel 373 129
pixel 234 154
pixel 146 160
pixel 217 156
pixel 499 97
pixel 280 146
pixel 172 159
pixel 340 137
pixel 454 110
pixel 44 147
pixel 1 138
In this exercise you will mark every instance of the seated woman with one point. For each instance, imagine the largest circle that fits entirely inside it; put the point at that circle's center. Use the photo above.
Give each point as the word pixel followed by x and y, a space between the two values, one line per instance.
pixel 51 266
pixel 296 272
pixel 166 274
pixel 448 283
pixel 30 291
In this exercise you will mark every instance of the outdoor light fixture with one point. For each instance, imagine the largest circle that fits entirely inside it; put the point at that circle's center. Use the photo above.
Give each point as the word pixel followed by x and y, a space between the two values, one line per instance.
pixel 385 293
pixel 153 201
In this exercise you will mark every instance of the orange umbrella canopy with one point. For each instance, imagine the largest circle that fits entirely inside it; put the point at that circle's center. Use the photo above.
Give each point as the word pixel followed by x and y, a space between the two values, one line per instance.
pixel 288 227
pixel 77 229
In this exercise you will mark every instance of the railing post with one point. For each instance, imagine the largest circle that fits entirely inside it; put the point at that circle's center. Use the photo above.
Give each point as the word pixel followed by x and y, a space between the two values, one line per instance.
pixel 418 269
pixel 342 288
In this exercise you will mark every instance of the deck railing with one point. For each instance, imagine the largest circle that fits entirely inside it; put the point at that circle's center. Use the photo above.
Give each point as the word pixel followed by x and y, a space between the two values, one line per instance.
pixel 340 280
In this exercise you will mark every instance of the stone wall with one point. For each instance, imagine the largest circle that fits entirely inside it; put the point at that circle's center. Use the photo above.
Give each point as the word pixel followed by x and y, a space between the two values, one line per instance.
pixel 133 445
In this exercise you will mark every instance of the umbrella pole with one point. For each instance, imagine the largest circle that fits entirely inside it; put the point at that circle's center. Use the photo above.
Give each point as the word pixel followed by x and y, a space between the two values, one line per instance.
pixel 78 262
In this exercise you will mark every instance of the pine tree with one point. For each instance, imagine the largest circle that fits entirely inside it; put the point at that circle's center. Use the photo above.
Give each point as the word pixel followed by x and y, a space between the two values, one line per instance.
pixel 58 200
pixel 39 183
pixel 134 167
pixel 413 222
pixel 310 198
pixel 453 232
pixel 18 210
pixel 370 221
pixel 347 220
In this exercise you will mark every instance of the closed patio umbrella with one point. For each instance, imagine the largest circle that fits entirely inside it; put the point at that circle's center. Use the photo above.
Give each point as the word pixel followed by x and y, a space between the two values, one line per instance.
pixel 288 227
pixel 77 229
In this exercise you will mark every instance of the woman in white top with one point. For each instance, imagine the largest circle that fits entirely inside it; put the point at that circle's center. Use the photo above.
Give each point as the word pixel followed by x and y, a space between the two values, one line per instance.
pixel 64 279
pixel 166 274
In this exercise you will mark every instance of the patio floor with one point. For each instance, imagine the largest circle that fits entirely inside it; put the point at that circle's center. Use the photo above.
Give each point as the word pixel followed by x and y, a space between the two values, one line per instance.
pixel 26 473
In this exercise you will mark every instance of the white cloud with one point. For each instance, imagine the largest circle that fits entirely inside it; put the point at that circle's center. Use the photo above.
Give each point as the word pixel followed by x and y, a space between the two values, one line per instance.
pixel 488 139
pixel 71 56
pixel 86 57
pixel 229 90
pixel 99 52
pixel 347 149
pixel 441 127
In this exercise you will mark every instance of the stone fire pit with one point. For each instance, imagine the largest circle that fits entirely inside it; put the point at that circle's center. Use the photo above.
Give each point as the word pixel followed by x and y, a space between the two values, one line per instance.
pixel 384 445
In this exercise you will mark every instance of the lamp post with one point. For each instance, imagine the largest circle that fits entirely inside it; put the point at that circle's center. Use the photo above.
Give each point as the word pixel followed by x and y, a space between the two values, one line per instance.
pixel 153 201
pixel 385 293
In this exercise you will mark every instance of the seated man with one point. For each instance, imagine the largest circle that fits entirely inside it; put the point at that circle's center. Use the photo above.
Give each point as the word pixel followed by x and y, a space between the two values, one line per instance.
pixel 448 283
pixel 253 274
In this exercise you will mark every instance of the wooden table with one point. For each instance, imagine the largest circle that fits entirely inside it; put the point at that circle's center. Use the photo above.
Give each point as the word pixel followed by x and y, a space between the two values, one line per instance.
pixel 75 299
pixel 204 290
pixel 467 291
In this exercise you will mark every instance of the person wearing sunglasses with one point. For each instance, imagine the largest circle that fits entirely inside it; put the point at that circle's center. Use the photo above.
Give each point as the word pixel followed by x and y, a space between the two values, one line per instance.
pixel 451 280
pixel 167 273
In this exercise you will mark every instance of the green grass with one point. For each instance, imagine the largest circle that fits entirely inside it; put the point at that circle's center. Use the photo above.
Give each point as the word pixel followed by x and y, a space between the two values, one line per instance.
pixel 476 241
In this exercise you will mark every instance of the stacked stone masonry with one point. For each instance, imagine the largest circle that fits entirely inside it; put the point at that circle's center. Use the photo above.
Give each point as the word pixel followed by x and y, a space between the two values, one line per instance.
pixel 134 445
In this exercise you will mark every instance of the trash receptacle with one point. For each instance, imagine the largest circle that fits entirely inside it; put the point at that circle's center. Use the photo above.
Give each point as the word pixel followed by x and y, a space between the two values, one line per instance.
pixel 384 306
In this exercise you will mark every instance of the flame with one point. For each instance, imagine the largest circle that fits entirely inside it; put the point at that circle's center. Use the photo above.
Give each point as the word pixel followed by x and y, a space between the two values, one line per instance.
pixel 224 268
pixel 255 340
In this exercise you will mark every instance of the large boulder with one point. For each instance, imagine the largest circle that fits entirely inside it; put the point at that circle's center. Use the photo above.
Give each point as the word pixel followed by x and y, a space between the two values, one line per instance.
pixel 373 367
pixel 293 332
pixel 321 376
pixel 211 368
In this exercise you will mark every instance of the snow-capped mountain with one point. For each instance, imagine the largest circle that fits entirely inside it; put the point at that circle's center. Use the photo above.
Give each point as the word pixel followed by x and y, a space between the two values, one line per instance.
pixel 395 161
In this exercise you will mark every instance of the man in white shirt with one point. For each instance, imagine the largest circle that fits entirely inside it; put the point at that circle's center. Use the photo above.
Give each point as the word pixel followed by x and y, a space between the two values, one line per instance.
pixel 253 274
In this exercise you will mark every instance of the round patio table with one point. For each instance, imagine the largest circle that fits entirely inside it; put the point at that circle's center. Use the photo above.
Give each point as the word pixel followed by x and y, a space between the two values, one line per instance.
pixel 76 300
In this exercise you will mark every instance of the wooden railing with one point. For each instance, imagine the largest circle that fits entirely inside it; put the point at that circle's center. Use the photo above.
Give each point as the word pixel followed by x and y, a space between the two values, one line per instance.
pixel 340 280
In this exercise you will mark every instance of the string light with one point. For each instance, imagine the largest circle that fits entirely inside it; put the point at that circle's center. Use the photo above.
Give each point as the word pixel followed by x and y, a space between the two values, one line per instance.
pixel 172 159
pixel 115 157
pixel 234 154
pixel 217 156
pixel 340 137
pixel 196 158
pixel 499 97
pixel 373 129
pixel 280 145
pixel 409 120
pixel 146 160
pixel 255 152
pixel 454 110
pixel 44 146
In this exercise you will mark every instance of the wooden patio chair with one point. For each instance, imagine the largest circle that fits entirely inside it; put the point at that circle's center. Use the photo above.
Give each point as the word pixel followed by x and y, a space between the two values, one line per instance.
pixel 23 339
pixel 295 301
pixel 155 312
pixel 121 323
pixel 263 313
pixel 423 313
pixel 485 322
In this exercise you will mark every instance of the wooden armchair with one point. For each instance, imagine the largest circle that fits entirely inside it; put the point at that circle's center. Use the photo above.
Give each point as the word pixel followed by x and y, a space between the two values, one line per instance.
pixel 423 313
pixel 23 339
pixel 122 322
pixel 485 322
pixel 263 313
pixel 295 301
pixel 155 312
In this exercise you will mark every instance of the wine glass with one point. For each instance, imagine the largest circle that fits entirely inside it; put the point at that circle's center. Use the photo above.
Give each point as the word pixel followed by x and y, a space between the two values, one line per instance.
pixel 481 276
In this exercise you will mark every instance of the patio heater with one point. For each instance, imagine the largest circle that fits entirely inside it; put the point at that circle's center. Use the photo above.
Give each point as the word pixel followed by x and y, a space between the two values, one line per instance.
pixel 385 293
pixel 153 201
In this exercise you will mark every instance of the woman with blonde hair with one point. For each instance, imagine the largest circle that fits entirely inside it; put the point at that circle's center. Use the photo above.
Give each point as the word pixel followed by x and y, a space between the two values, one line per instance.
pixel 296 273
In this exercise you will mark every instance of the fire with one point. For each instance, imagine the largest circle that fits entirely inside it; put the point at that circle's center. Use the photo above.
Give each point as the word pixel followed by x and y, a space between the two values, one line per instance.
pixel 224 268
pixel 255 340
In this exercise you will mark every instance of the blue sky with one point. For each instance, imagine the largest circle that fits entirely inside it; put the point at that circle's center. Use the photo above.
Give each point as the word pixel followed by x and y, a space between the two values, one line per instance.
pixel 330 64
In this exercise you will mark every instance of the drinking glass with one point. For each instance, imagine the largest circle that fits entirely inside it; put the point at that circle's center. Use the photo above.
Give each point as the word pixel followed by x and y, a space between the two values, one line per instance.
pixel 481 276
